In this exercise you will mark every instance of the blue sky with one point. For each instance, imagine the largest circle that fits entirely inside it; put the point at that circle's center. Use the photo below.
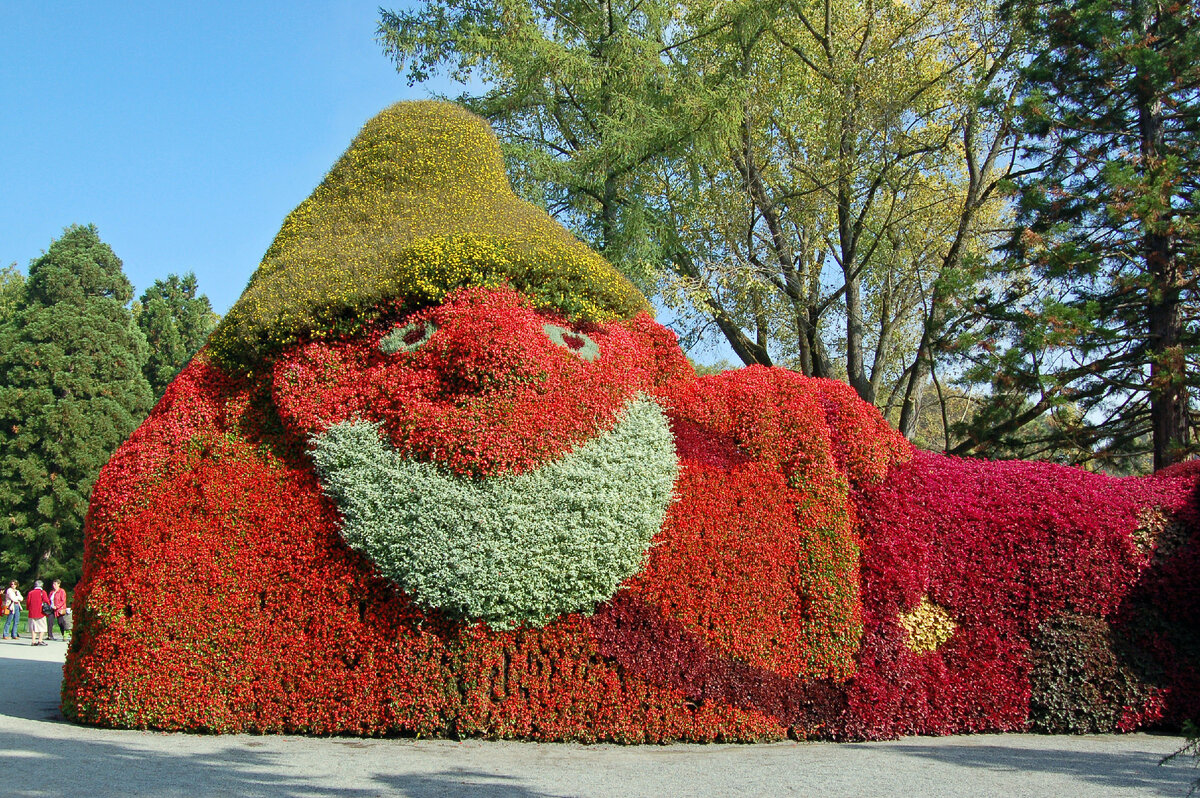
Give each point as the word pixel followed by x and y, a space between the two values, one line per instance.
pixel 184 131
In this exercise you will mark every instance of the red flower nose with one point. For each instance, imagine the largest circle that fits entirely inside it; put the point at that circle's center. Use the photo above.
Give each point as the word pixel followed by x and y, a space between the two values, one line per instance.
pixel 485 355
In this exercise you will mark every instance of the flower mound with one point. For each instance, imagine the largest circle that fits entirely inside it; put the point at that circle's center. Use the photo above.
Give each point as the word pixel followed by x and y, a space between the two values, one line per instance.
pixel 752 571
pixel 1020 556
pixel 438 472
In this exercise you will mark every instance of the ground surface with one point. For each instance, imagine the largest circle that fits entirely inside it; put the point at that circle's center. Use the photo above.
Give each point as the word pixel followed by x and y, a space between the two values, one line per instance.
pixel 43 755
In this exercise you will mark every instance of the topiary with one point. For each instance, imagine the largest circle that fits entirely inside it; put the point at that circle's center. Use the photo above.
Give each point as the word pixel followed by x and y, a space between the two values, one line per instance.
pixel 439 472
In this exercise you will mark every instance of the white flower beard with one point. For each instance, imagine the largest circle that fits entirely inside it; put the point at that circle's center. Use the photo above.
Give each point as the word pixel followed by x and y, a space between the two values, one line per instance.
pixel 512 548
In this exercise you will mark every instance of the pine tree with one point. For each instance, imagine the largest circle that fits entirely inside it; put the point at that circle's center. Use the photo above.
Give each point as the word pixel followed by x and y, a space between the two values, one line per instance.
pixel 1101 335
pixel 176 323
pixel 71 390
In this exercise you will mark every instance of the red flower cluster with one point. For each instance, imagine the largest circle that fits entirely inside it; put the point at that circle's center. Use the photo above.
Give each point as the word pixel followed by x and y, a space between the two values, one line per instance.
pixel 228 603
pixel 759 555
pixel 1005 548
pixel 218 595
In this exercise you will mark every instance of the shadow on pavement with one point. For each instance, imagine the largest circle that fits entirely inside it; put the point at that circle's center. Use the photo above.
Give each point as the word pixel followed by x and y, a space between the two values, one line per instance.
pixel 36 689
pixel 97 769
pixel 459 782
pixel 1114 770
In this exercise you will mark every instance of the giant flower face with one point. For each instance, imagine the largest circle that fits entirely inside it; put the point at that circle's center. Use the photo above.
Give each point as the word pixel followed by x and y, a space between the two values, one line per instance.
pixel 494 461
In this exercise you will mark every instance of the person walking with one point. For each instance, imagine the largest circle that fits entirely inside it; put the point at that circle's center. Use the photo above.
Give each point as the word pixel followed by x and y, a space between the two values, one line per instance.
pixel 39 603
pixel 12 610
pixel 58 605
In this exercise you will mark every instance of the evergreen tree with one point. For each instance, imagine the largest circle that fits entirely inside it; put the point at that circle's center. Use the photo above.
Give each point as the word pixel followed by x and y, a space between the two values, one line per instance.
pixel 176 323
pixel 71 390
pixel 1104 323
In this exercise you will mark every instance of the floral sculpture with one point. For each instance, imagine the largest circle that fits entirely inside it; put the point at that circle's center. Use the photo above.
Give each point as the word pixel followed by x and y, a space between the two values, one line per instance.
pixel 438 471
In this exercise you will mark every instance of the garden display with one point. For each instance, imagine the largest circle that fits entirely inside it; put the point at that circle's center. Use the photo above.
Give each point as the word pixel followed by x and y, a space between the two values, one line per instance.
pixel 439 472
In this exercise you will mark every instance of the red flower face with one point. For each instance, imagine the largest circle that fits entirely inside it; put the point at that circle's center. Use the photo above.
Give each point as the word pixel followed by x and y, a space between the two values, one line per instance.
pixel 481 384
pixel 406 423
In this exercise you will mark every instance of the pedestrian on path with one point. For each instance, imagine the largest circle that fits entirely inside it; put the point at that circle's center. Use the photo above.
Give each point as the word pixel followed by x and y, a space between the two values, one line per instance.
pixel 12 610
pixel 58 603
pixel 39 603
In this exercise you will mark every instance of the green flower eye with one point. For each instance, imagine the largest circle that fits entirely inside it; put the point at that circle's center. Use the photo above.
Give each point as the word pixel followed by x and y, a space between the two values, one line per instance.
pixel 573 341
pixel 407 337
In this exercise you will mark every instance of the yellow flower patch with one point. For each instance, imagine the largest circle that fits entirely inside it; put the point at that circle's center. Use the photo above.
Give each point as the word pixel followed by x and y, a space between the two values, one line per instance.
pixel 928 626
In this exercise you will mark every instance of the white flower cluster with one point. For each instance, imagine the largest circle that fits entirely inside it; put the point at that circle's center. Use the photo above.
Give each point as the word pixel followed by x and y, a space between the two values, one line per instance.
pixel 512 548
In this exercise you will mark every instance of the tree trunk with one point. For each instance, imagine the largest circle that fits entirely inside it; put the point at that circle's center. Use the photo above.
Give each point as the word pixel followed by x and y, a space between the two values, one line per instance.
pixel 608 217
pixel 1168 392
pixel 855 367
pixel 743 346
pixel 848 244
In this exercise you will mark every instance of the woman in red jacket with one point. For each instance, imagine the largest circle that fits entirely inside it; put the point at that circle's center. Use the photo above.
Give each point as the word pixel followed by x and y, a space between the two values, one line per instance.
pixel 37 613
pixel 58 602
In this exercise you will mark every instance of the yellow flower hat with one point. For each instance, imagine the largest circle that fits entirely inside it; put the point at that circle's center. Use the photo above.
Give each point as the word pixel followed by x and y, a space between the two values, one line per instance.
pixel 418 206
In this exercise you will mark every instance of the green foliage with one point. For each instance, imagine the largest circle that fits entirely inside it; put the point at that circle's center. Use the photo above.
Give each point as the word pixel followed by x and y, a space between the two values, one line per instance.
pixel 176 323
pixel 71 390
pixel 1100 312
pixel 511 549
pixel 581 96
pixel 704 370
pixel 418 206
pixel 1191 732
pixel 779 167
pixel 12 291
pixel 1081 681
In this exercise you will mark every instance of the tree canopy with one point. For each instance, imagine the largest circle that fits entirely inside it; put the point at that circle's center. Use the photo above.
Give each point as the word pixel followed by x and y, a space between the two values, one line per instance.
pixel 1098 329
pixel 12 291
pixel 71 390
pixel 803 177
pixel 176 321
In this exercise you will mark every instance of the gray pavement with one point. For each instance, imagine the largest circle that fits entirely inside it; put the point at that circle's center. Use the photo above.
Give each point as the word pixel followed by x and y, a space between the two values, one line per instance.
pixel 43 755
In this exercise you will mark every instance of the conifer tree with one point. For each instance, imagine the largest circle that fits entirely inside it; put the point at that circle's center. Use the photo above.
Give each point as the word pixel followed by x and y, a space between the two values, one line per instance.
pixel 1102 336
pixel 175 322
pixel 71 390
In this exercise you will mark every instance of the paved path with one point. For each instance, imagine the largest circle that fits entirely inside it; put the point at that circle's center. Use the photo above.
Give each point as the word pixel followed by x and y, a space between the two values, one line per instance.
pixel 43 755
